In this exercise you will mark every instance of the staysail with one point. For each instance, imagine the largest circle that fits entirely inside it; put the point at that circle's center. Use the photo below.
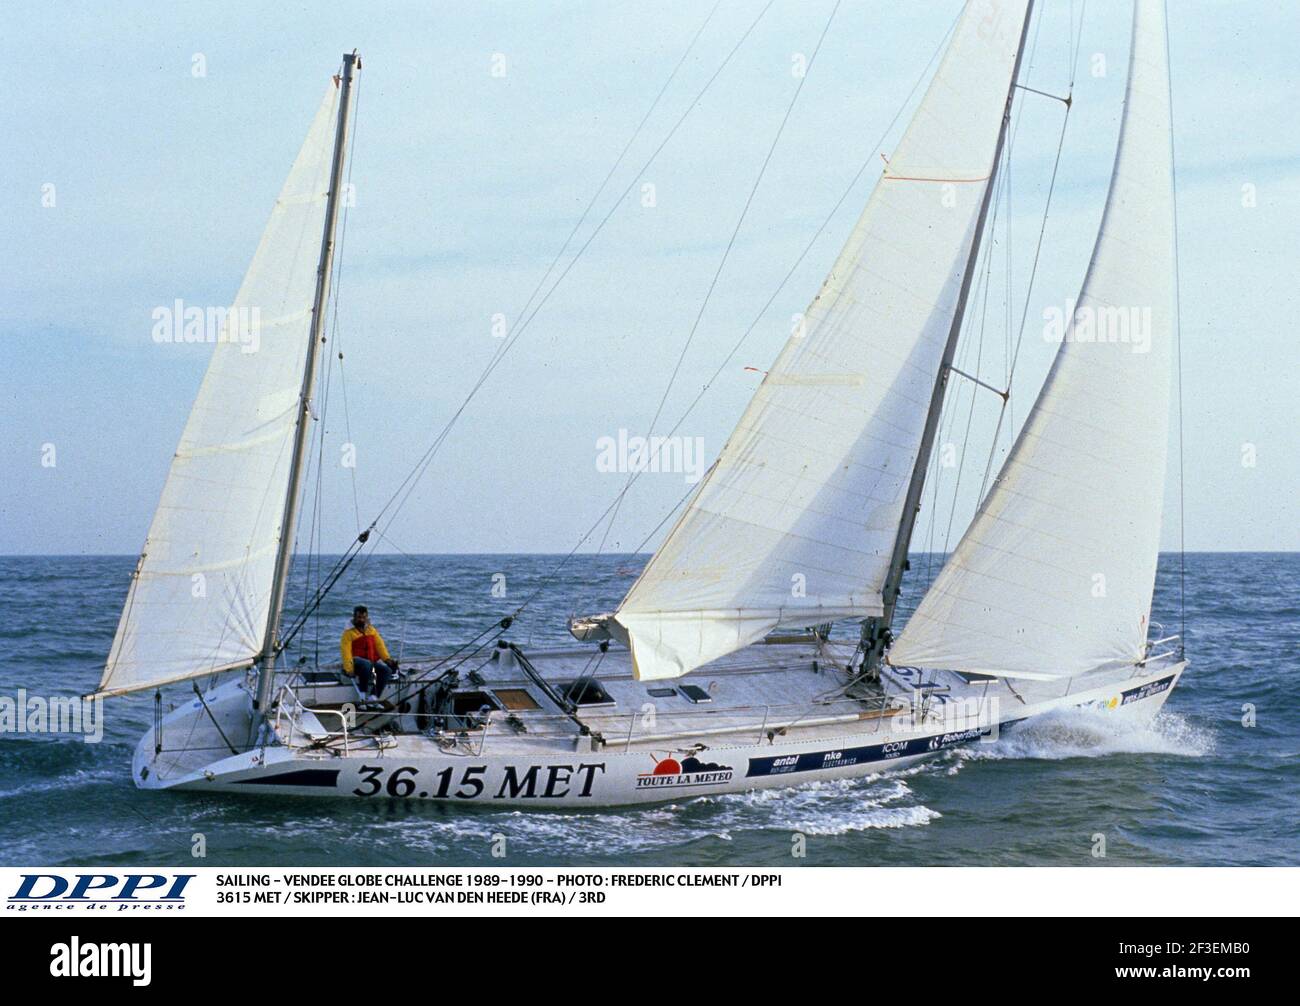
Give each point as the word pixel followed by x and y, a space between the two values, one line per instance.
pixel 200 597
pixel 796 522
pixel 1055 574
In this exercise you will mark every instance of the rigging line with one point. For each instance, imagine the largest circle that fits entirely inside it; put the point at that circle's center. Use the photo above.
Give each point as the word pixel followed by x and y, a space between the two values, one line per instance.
pixel 1029 291
pixel 315 477
pixel 337 299
pixel 1069 37
pixel 472 645
pixel 1004 188
pixel 313 525
pixel 316 531
pixel 347 426
pixel 1178 356
pixel 848 190
pixel 591 203
pixel 424 677
pixel 948 416
pixel 340 567
pixel 1078 41
pixel 343 237
pixel 981 292
pixel 576 692
pixel 558 567
pixel 318 504
pixel 1045 94
pixel 948 420
pixel 1002 195
pixel 408 484
pixel 636 133
pixel 1010 217
pixel 676 506
pixel 726 254
pixel 321 393
pixel 243 585
pixel 424 463
pixel 1009 298
pixel 618 161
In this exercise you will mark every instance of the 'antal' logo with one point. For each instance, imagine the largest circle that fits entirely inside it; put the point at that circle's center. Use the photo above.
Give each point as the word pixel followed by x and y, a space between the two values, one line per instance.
pixel 126 891
pixel 690 771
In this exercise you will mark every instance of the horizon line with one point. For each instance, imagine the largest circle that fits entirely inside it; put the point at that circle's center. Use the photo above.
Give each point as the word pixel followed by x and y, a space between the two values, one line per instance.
pixel 435 555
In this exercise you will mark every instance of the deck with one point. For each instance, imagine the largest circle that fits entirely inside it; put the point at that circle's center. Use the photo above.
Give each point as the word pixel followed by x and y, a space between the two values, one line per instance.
pixel 760 693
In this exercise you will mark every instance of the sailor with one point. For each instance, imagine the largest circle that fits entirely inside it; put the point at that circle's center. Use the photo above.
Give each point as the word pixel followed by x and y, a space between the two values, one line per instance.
pixel 365 657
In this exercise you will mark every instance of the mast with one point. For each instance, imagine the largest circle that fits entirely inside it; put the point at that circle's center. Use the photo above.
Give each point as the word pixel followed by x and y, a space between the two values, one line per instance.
pixel 876 633
pixel 284 550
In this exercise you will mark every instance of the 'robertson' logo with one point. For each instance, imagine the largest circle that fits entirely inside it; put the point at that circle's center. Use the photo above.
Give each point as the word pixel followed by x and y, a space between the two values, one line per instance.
pixel 944 740
pixel 690 771
pixel 102 960
pixel 100 892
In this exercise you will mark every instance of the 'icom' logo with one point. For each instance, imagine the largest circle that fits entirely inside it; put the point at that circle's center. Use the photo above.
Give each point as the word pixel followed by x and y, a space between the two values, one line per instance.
pixel 100 891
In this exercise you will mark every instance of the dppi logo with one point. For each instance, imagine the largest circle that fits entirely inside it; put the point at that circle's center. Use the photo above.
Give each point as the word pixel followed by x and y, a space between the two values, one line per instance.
pixel 100 892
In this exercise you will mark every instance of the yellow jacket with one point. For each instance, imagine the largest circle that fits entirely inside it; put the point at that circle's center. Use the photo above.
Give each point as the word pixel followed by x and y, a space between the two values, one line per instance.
pixel 368 644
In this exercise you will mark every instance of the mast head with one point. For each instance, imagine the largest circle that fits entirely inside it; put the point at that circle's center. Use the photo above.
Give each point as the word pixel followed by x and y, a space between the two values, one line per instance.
pixel 351 61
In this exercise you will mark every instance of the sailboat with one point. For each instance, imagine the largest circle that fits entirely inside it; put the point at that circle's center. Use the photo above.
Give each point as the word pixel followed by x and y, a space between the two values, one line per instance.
pixel 713 675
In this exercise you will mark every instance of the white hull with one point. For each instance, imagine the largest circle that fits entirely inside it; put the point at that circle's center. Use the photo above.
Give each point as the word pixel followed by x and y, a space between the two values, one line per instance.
pixel 651 758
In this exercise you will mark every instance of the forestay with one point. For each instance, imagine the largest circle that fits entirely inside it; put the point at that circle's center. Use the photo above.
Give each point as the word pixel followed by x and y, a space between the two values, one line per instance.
pixel 795 523
pixel 1055 574
pixel 200 597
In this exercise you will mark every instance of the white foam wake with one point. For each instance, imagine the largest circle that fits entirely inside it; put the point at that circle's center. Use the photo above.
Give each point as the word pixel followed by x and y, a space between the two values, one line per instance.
pixel 1094 733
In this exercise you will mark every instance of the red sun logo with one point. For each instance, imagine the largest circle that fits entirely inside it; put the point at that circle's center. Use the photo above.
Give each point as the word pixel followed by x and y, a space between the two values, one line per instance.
pixel 668 766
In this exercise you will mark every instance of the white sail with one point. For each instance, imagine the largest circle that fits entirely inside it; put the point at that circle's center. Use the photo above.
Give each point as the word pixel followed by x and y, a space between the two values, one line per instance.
pixel 1055 574
pixel 200 597
pixel 795 523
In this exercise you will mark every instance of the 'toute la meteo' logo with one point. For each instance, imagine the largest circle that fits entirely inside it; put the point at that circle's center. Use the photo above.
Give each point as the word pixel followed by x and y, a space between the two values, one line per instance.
pixel 690 771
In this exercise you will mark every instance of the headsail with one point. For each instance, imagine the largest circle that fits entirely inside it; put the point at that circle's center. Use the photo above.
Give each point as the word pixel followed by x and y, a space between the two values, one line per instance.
pixel 200 596
pixel 796 522
pixel 1055 574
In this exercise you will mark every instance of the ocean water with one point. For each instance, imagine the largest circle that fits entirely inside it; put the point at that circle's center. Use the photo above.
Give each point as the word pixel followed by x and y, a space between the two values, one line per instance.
pixel 1198 786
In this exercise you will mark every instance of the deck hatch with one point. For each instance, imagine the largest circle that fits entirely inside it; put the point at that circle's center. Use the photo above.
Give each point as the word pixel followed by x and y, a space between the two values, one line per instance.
pixel 586 692
pixel 696 694
pixel 475 701
pixel 516 699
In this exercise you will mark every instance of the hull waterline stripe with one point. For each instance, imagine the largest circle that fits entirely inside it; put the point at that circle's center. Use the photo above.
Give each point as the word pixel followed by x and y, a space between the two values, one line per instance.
pixel 326 778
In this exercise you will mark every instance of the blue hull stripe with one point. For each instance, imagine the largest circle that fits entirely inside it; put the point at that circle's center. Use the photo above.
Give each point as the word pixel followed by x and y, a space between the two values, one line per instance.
pixel 816 761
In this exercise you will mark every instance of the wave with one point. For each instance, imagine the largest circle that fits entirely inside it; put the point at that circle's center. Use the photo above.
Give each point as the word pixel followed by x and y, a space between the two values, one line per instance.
pixel 832 808
pixel 1092 733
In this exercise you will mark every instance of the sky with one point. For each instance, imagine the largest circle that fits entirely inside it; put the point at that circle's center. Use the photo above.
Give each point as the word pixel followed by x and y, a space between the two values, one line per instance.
pixel 142 146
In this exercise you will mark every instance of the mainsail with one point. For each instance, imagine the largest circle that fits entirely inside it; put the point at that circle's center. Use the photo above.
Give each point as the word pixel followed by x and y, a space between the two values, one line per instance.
pixel 796 522
pixel 199 600
pixel 1055 574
